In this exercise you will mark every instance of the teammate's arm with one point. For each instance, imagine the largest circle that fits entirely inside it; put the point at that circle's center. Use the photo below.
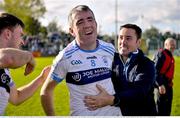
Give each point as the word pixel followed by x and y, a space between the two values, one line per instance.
pixel 47 96
pixel 14 58
pixel 18 96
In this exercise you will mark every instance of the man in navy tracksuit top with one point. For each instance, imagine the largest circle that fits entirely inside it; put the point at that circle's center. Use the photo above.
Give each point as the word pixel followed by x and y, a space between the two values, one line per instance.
pixel 133 82
pixel 133 76
pixel 164 63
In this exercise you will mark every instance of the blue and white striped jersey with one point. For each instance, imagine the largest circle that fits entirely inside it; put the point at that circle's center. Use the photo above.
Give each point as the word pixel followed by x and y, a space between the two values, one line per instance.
pixel 82 70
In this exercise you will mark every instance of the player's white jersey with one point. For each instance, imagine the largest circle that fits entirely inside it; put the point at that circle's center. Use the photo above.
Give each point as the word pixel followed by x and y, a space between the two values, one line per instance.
pixel 5 84
pixel 82 70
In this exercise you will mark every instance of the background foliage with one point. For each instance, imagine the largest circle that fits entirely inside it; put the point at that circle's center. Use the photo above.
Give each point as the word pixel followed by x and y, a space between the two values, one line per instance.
pixel 27 10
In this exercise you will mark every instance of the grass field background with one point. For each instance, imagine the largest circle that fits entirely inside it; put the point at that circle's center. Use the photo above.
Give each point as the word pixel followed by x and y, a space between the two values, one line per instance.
pixel 32 107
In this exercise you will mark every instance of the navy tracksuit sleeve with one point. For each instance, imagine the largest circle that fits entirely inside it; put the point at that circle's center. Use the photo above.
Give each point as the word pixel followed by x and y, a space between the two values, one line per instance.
pixel 139 89
pixel 159 60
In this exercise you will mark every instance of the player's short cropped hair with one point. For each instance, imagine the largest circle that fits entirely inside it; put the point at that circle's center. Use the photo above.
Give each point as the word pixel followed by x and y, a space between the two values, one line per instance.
pixel 9 21
pixel 76 9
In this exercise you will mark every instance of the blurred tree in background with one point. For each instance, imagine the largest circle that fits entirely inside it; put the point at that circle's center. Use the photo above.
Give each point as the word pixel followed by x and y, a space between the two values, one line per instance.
pixel 53 27
pixel 27 10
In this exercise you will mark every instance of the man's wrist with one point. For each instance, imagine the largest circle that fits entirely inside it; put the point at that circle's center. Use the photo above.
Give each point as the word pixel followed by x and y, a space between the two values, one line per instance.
pixel 31 56
pixel 116 100
pixel 31 61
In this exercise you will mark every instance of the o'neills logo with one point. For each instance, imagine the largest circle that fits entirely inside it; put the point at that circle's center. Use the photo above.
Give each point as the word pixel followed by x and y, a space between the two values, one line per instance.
pixel 76 77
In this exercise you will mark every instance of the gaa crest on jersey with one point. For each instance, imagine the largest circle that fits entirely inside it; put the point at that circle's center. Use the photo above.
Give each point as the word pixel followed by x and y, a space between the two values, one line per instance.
pixel 105 60
pixel 77 77
pixel 76 62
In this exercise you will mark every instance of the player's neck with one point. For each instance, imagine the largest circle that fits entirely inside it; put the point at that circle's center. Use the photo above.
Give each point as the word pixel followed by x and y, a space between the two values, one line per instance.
pixel 92 46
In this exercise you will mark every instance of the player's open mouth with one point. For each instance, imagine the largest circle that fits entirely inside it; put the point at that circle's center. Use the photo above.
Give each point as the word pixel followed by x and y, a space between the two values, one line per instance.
pixel 88 32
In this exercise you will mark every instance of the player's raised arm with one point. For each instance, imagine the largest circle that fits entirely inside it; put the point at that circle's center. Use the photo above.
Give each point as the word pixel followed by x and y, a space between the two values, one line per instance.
pixel 14 58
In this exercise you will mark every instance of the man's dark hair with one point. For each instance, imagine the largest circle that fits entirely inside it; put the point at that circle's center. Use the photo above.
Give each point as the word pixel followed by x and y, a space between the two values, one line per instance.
pixel 135 27
pixel 9 21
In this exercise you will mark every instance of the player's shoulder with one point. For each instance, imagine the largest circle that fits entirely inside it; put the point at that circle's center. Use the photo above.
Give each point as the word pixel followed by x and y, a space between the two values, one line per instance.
pixel 67 51
pixel 108 47
pixel 103 43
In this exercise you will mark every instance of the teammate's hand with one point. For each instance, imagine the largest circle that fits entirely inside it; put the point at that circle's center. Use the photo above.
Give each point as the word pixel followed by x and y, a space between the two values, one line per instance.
pixel 45 72
pixel 98 101
pixel 30 66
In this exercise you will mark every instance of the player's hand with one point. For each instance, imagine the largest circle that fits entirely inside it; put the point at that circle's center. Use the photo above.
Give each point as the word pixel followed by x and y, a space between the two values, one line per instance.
pixel 45 72
pixel 30 66
pixel 162 89
pixel 98 101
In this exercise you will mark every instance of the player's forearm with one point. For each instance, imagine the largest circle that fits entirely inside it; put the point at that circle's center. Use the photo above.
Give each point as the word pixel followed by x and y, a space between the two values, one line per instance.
pixel 47 96
pixel 47 104
pixel 21 58
pixel 14 58
pixel 28 90
pixel 47 101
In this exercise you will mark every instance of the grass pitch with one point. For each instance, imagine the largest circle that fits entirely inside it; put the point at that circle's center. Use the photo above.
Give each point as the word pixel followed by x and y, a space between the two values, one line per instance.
pixel 32 107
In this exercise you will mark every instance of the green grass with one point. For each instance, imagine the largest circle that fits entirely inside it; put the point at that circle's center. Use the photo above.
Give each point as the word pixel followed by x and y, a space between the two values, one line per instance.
pixel 32 107
pixel 176 89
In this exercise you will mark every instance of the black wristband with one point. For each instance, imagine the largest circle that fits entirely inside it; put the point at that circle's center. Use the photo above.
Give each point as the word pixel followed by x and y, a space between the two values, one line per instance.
pixel 116 101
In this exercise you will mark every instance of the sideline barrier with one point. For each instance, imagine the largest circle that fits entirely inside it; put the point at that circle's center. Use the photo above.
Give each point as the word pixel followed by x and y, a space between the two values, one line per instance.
pixel 36 54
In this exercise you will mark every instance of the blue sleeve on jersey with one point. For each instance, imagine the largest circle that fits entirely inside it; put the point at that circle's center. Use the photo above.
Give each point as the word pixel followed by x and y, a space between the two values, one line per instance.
pixel 11 84
pixel 56 78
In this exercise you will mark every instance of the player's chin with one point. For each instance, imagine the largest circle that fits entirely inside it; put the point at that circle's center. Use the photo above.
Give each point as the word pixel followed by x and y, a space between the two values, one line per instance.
pixel 123 52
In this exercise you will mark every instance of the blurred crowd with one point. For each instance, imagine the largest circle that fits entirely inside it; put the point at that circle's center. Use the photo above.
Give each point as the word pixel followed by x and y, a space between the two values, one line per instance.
pixel 49 46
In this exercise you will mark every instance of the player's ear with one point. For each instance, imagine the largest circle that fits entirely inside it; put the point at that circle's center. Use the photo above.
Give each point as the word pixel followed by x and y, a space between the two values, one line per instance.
pixel 71 32
pixel 138 42
pixel 7 33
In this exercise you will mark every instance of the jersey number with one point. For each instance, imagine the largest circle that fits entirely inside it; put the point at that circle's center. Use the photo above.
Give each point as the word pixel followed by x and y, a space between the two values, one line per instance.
pixel 93 63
